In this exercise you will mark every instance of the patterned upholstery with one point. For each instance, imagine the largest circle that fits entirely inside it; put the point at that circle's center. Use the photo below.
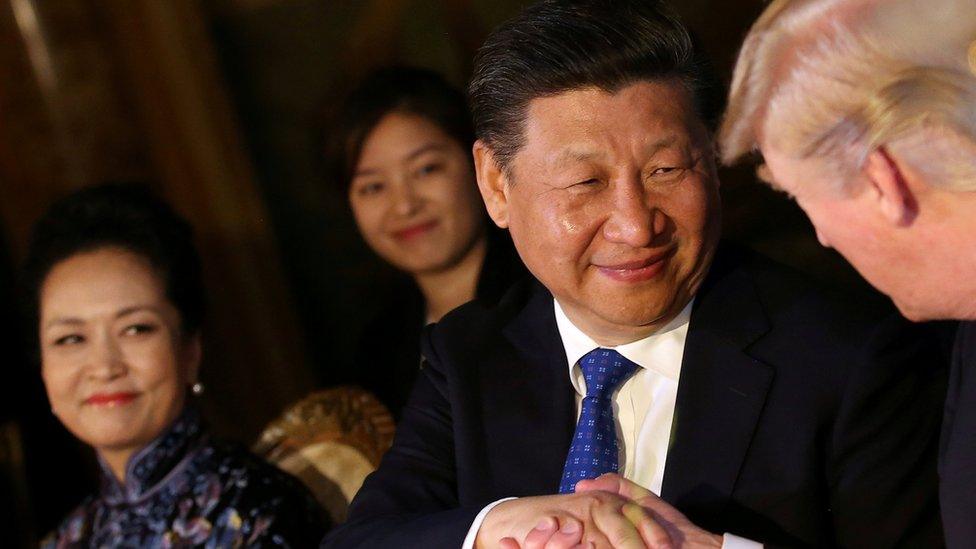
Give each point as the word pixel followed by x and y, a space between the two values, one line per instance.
pixel 331 440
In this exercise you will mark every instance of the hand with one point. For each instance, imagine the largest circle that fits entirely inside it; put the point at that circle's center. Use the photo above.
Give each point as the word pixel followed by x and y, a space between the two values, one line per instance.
pixel 604 519
pixel 681 531
pixel 550 533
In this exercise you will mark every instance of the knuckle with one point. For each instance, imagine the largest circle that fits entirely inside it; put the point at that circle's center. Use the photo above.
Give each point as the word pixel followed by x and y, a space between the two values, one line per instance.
pixel 656 535
pixel 605 497
pixel 619 530
pixel 559 542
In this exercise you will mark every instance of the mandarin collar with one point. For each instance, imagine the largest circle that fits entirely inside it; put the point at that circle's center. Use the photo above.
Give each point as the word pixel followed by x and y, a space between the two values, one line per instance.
pixel 150 466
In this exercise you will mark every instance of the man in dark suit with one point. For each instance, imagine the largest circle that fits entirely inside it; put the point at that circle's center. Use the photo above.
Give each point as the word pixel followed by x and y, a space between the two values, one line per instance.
pixel 869 123
pixel 762 409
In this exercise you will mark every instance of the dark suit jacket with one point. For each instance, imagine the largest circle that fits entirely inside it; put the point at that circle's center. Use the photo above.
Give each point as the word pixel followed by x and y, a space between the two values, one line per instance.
pixel 799 420
pixel 957 460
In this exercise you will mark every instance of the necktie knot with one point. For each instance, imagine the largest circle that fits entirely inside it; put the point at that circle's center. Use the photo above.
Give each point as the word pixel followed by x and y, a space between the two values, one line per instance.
pixel 604 371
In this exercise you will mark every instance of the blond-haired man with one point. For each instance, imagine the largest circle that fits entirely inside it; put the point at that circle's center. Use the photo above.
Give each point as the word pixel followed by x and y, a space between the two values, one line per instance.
pixel 865 113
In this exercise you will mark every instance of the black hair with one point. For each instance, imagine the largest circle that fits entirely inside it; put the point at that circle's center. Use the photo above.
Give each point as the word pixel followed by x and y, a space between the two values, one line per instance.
pixel 126 216
pixel 556 46
pixel 420 92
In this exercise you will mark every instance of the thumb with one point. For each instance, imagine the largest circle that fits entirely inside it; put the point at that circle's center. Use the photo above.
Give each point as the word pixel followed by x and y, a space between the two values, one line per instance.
pixel 614 483
pixel 508 543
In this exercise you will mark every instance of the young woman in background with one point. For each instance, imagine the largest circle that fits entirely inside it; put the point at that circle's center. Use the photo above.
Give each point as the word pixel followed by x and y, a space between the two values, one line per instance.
pixel 401 152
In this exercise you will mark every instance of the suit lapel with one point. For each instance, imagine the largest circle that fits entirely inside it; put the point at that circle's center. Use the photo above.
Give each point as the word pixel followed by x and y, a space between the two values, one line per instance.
pixel 529 408
pixel 721 393
pixel 529 405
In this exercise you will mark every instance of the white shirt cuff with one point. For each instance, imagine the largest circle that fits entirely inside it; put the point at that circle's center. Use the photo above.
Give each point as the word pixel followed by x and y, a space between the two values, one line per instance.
pixel 476 525
pixel 730 541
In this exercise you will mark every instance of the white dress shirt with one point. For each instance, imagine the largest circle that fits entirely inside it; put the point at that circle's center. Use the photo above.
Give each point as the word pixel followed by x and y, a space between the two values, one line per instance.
pixel 643 406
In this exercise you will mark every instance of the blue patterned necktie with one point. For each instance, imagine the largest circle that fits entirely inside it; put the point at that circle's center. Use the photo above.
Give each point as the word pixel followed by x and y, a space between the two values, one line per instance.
pixel 594 448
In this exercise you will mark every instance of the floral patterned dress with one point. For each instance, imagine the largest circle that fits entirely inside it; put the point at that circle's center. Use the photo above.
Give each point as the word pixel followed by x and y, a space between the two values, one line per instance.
pixel 186 489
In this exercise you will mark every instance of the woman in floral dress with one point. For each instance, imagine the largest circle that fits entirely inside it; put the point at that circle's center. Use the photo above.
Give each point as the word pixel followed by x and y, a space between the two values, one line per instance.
pixel 117 301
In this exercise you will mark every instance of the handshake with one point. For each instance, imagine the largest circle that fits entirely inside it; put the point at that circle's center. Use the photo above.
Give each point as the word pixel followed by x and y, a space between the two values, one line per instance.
pixel 608 511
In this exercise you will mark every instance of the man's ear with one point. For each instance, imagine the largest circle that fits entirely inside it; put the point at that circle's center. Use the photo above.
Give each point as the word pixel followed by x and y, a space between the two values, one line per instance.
pixel 492 182
pixel 892 193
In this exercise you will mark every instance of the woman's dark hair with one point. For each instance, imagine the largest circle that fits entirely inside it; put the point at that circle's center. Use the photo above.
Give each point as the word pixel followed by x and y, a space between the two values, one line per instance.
pixel 557 46
pixel 126 216
pixel 420 92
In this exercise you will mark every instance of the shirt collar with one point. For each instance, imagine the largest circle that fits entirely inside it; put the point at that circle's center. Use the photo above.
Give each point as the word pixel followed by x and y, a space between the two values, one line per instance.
pixel 660 351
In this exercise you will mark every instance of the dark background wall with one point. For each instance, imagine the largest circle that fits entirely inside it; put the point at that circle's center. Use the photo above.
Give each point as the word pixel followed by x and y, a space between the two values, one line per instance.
pixel 219 103
pixel 282 98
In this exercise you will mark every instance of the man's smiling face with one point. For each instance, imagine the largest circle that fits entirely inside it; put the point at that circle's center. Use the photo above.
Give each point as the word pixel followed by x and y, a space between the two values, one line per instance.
pixel 613 204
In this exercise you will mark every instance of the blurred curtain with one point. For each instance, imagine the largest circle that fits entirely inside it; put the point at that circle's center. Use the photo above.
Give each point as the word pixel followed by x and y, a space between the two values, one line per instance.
pixel 94 90
pixel 288 64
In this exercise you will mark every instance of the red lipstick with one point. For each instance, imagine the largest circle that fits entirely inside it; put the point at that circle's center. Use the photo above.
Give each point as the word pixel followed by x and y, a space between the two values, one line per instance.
pixel 111 399
pixel 415 230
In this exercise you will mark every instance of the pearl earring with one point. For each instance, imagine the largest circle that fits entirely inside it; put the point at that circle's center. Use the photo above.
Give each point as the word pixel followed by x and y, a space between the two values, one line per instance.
pixel 197 389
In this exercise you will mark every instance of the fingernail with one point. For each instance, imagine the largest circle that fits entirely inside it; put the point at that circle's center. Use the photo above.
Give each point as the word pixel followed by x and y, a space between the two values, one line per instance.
pixel 545 524
pixel 571 527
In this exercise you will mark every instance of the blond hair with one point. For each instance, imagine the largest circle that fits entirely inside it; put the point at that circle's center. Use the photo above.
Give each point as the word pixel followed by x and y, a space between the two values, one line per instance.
pixel 837 79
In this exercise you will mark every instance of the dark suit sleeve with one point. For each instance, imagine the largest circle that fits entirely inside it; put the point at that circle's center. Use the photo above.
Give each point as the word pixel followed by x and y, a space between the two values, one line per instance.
pixel 411 500
pixel 882 452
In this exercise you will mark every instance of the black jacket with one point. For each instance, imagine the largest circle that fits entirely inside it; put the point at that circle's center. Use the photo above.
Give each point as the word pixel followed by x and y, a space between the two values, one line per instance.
pixel 800 419
pixel 957 460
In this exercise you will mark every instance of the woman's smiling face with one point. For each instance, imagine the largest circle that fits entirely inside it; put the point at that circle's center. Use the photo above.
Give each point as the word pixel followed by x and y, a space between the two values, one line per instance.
pixel 115 361
pixel 414 195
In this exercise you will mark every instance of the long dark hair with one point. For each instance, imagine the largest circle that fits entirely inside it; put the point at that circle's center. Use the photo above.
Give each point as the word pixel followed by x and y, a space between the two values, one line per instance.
pixel 126 216
pixel 420 92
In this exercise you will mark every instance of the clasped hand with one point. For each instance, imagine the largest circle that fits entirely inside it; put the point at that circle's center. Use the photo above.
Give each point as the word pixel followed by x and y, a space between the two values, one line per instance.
pixel 608 511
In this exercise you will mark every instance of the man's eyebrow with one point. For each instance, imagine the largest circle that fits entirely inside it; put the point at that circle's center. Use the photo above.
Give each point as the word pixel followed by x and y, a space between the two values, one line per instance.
pixel 582 155
pixel 662 143
pixel 576 155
